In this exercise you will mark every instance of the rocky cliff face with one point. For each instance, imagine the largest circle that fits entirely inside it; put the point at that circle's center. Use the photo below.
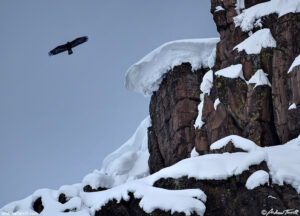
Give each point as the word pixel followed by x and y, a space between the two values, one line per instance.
pixel 173 109
pixel 258 113
pixel 262 113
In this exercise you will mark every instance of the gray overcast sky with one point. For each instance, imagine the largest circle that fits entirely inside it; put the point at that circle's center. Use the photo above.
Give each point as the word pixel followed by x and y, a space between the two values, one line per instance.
pixel 61 115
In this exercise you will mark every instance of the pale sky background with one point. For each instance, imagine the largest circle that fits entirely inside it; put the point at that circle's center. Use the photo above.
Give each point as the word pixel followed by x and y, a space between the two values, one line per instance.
pixel 61 115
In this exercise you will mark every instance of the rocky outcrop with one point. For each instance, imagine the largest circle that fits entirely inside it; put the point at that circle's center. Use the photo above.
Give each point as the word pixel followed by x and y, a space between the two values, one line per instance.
pixel 88 188
pixel 173 110
pixel 258 113
pixel 38 205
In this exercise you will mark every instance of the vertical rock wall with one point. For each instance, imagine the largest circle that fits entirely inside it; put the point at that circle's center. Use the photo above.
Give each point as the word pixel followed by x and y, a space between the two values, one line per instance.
pixel 260 114
pixel 173 110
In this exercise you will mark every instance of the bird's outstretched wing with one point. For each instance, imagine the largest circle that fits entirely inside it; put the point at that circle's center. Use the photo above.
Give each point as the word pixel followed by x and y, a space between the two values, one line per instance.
pixel 78 41
pixel 58 49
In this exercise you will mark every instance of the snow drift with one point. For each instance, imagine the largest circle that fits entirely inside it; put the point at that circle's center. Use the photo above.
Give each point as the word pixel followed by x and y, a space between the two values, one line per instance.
pixel 146 75
pixel 128 162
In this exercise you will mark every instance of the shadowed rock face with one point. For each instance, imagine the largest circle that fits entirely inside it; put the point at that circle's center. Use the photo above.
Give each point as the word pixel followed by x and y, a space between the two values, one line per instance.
pixel 173 110
pixel 294 97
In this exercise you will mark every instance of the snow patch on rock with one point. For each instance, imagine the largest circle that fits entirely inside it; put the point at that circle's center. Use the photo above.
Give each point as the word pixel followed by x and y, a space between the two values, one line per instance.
pixel 259 78
pixel 216 103
pixel 258 40
pixel 248 17
pixel 292 106
pixel 205 87
pixel 219 8
pixel 238 142
pixel 194 153
pixel 256 179
pixel 258 24
pixel 199 123
pixel 295 63
pixel 207 82
pixel 232 72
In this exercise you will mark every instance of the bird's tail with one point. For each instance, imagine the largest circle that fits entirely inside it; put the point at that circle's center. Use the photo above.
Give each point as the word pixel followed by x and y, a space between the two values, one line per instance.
pixel 70 51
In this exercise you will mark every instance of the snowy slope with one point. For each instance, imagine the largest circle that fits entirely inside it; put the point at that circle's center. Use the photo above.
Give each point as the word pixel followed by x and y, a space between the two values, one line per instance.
pixel 128 162
pixel 211 166
pixel 146 75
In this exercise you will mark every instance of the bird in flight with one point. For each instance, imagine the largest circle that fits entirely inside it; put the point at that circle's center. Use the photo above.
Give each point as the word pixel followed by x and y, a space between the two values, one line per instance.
pixel 68 46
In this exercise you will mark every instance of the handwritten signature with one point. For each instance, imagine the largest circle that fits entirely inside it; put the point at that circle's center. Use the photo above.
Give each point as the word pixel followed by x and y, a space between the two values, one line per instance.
pixel 277 212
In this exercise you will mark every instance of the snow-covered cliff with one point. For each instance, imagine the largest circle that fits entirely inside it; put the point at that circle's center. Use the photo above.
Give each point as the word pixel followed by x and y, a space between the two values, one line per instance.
pixel 222 137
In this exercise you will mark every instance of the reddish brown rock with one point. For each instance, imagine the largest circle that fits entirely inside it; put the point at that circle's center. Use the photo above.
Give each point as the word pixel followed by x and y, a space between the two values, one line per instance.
pixel 156 161
pixel 173 110
pixel 260 114
pixel 229 147
pixel 294 85
pixel 294 98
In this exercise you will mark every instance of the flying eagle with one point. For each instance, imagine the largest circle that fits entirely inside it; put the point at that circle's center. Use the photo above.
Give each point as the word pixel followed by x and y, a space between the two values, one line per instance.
pixel 68 46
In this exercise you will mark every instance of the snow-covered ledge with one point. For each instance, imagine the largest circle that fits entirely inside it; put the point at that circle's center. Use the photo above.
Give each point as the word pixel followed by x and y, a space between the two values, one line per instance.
pixel 146 75
pixel 246 20
pixel 260 39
